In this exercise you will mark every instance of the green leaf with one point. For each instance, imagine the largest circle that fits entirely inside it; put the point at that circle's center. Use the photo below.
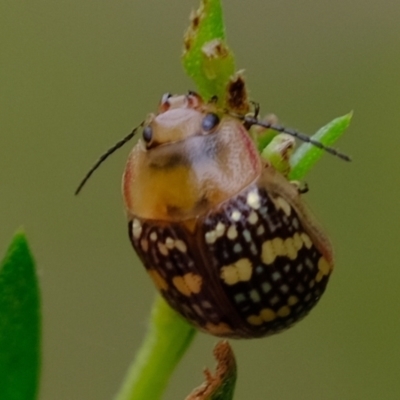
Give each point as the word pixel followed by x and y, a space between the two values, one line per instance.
pixel 206 57
pixel 220 386
pixel 307 154
pixel 167 340
pixel 19 323
pixel 278 153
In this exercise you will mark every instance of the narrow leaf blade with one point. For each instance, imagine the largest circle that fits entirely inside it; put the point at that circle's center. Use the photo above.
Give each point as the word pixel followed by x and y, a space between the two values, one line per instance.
pixel 307 155
pixel 19 323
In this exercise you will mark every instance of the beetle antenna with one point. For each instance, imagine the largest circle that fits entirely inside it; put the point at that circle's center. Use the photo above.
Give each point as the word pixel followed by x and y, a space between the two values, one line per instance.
pixel 256 107
pixel 105 156
pixel 250 120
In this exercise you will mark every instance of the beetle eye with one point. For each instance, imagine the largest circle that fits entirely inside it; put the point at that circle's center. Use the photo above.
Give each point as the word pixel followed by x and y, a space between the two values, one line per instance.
pixel 210 121
pixel 147 134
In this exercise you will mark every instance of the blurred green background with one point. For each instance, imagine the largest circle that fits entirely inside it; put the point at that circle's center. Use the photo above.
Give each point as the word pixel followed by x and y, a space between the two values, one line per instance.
pixel 76 76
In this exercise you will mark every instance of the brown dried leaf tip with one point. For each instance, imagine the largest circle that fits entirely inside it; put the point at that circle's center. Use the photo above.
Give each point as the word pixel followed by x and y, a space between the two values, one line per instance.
pixel 215 49
pixel 190 34
pixel 220 385
pixel 237 99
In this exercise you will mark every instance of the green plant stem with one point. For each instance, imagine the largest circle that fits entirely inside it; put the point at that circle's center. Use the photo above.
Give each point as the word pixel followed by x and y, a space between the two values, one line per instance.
pixel 166 341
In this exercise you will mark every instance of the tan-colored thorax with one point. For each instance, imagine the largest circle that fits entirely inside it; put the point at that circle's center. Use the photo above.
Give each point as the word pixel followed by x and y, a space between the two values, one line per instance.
pixel 184 170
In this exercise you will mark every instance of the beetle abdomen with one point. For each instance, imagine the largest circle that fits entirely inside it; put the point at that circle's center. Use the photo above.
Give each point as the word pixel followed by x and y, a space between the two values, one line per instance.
pixel 249 267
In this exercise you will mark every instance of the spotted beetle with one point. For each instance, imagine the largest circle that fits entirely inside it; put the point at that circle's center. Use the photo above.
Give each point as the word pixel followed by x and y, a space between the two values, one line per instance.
pixel 224 236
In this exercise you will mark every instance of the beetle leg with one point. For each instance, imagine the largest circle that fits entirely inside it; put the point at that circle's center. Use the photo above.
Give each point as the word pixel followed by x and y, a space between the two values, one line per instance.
pixel 301 188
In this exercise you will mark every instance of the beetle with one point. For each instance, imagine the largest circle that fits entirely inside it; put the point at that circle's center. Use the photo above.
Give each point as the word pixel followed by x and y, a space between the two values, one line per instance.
pixel 225 237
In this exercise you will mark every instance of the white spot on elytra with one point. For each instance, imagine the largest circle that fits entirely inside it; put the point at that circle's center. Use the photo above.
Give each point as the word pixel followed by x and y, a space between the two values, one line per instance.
pixel 253 200
pixel 255 296
pixel 237 248
pixel 284 288
pixel 211 237
pixel 136 228
pixel 309 264
pixel 170 243
pixel 247 235
pixel 266 287
pixel 220 229
pixel 259 269
pixel 206 304
pixel 253 249
pixel 253 218
pixel 232 232
pixel 153 236
pixel 181 246
pixel 299 268
pixel 240 297
pixel 286 268
pixel 162 248
pixel 198 310
pixel 276 275
pixel 260 230
pixel 236 215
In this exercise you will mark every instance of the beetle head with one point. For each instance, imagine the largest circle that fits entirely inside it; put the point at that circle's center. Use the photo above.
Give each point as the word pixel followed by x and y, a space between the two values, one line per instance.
pixel 178 118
